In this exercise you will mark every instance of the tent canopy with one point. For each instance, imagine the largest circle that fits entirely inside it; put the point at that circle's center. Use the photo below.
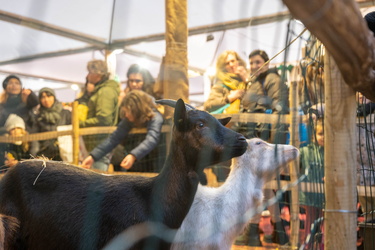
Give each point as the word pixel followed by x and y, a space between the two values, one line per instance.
pixel 49 42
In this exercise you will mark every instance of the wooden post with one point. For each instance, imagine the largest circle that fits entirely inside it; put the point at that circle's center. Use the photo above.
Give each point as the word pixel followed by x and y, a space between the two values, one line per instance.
pixel 341 28
pixel 175 63
pixel 340 215
pixel 294 166
pixel 75 133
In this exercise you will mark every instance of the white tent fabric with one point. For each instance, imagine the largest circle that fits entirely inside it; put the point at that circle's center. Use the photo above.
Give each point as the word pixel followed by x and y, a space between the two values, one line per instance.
pixel 48 42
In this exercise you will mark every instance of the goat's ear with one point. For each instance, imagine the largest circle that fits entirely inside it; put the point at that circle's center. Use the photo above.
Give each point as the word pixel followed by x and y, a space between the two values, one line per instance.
pixel 224 121
pixel 180 116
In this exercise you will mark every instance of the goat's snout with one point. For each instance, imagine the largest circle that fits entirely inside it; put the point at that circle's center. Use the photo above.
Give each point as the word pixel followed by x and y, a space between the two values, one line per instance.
pixel 240 146
pixel 241 138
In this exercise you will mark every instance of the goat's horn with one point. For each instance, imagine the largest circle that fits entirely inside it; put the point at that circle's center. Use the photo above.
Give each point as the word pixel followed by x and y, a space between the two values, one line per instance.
pixel 172 103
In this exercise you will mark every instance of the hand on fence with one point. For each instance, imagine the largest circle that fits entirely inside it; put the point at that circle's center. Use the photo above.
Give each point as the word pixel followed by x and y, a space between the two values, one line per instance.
pixel 128 161
pixel 87 163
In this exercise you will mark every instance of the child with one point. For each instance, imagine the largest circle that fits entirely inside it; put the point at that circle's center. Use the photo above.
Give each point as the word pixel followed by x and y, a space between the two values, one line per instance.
pixel 312 165
pixel 14 152
pixel 140 111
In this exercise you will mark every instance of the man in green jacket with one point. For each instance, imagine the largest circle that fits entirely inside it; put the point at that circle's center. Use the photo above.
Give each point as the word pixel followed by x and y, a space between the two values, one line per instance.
pixel 102 106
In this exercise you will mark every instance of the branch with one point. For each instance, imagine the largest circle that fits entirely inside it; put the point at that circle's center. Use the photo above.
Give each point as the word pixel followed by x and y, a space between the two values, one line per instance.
pixel 339 25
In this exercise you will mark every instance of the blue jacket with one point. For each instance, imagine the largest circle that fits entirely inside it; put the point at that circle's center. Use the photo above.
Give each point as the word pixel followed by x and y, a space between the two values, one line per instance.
pixel 123 128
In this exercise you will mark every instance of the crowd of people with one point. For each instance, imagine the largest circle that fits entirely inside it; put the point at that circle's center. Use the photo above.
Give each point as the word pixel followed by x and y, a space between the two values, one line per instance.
pixel 235 89
pixel 101 103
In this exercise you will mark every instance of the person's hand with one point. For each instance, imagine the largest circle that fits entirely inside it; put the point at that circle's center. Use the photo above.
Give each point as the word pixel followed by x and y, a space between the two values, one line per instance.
pixel 235 94
pixel 242 72
pixel 128 161
pixel 24 94
pixel 87 163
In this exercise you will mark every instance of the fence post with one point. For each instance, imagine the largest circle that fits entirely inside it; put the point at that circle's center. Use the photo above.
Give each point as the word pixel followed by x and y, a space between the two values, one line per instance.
pixel 75 132
pixel 340 214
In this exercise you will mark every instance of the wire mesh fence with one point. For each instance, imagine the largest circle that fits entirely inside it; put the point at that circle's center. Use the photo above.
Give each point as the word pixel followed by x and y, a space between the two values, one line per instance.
pixel 310 195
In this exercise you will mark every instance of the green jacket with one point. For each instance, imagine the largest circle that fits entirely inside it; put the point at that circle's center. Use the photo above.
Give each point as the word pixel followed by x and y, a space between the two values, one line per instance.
pixel 103 105
pixel 312 164
pixel 102 111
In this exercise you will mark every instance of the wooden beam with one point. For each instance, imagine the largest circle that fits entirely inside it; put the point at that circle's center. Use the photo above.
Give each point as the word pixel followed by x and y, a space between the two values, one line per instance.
pixel 156 58
pixel 339 25
pixel 242 23
pixel 47 55
pixel 49 28
pixel 39 77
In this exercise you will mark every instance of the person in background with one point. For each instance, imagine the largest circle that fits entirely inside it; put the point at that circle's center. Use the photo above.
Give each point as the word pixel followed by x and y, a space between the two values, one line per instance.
pixel 365 144
pixel 312 165
pixel 365 106
pixel 50 115
pixel 141 79
pixel 264 93
pixel 229 86
pixel 139 110
pixel 102 107
pixel 83 100
pixel 311 87
pixel 12 153
pixel 16 100
pixel 365 154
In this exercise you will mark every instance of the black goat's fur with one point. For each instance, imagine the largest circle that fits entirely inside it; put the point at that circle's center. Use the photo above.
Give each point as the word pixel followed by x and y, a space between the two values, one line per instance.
pixel 61 206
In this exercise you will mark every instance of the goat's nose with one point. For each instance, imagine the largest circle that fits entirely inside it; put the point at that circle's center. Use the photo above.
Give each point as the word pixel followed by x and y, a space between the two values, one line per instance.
pixel 241 137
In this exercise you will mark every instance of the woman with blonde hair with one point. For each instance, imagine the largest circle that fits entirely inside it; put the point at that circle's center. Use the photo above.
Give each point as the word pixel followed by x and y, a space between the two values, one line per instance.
pixel 138 110
pixel 231 76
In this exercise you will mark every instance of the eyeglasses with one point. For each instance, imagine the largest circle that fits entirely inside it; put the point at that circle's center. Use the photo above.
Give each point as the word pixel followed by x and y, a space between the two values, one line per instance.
pixel 134 80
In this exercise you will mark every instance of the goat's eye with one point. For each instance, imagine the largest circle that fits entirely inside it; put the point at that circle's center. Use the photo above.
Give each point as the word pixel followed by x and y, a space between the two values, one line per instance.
pixel 200 125
pixel 258 143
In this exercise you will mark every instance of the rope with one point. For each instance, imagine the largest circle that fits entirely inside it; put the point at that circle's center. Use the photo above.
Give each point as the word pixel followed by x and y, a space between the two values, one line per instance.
pixel 299 35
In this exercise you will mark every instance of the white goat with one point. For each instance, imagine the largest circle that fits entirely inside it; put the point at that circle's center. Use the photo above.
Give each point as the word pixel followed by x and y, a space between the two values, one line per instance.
pixel 217 215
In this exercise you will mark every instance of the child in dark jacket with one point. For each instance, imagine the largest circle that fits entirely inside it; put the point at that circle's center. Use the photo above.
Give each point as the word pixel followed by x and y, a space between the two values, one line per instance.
pixel 12 153
pixel 139 111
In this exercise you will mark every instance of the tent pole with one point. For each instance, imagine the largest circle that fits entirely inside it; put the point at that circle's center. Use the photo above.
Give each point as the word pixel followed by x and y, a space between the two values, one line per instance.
pixel 175 79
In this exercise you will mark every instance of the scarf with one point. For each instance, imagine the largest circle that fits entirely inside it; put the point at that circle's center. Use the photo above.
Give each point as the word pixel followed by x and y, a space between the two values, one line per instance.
pixel 14 102
pixel 51 115
pixel 232 81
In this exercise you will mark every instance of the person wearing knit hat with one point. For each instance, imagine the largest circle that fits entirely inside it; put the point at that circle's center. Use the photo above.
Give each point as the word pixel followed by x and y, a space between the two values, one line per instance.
pixel 97 67
pixel 14 78
pixel 16 100
pixel 102 106
pixel 51 114
pixel 14 121
pixel 47 98
pixel 13 152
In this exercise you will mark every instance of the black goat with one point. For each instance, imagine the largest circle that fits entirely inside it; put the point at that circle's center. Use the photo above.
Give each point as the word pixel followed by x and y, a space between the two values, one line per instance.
pixel 59 206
